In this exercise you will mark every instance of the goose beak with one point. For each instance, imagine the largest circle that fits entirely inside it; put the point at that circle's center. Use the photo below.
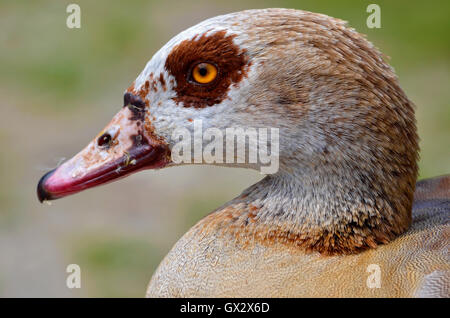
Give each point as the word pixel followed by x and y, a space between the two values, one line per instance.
pixel 122 148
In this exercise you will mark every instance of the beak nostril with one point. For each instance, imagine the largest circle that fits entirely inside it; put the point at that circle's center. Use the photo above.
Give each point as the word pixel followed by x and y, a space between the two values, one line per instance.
pixel 104 140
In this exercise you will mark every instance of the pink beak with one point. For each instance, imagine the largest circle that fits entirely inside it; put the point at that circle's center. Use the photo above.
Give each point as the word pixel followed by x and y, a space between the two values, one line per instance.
pixel 122 148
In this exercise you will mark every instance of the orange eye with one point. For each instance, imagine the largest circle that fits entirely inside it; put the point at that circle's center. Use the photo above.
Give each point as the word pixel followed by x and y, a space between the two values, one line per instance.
pixel 204 73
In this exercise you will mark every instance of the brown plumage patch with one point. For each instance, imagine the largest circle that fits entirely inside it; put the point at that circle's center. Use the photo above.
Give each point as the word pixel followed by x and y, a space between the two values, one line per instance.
pixel 162 81
pixel 216 48
pixel 244 227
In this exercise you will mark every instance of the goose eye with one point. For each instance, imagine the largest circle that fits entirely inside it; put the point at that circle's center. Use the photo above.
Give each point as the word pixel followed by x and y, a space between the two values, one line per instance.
pixel 204 73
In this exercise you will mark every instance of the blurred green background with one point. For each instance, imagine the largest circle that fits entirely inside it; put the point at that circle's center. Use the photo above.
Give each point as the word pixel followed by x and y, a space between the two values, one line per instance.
pixel 60 86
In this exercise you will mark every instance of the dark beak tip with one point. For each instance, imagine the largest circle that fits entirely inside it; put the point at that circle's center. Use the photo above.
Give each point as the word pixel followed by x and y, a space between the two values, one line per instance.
pixel 42 193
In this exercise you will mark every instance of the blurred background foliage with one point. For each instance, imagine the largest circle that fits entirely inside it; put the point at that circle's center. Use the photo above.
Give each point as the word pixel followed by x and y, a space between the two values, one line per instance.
pixel 60 86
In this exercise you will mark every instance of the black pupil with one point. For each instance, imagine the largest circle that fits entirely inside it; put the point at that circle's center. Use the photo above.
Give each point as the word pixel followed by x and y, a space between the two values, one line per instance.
pixel 104 139
pixel 202 70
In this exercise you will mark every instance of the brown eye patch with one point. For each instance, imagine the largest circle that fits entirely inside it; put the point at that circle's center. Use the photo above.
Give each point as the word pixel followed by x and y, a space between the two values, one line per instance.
pixel 216 49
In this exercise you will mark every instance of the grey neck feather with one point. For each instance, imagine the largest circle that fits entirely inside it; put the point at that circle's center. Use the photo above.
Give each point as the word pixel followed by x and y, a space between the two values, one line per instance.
pixel 312 198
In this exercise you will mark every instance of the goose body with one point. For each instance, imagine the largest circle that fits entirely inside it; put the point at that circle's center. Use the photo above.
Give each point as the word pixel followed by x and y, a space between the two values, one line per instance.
pixel 209 263
pixel 341 216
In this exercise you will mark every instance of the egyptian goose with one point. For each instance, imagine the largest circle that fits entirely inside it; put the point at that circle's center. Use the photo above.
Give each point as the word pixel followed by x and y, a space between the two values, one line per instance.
pixel 341 201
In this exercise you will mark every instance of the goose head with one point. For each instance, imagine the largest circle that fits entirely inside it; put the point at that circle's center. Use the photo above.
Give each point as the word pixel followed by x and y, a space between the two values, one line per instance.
pixel 346 129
